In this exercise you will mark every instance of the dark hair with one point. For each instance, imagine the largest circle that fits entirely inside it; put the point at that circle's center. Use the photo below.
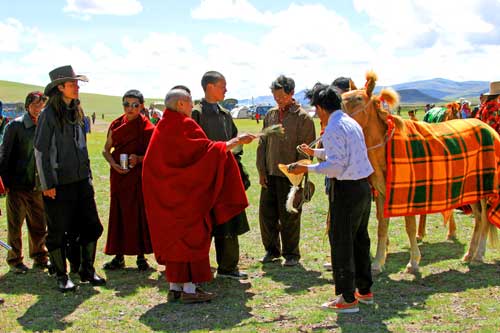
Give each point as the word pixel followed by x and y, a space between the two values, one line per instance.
pixel 210 77
pixel 285 83
pixel 342 83
pixel 325 96
pixel 134 94
pixel 57 103
pixel 182 87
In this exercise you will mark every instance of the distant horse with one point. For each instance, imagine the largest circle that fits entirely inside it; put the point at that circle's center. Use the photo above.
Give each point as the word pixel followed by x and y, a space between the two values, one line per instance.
pixel 436 115
pixel 379 127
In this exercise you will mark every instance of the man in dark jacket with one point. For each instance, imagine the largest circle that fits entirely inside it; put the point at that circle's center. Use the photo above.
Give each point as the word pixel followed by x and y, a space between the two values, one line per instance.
pixel 24 197
pixel 218 125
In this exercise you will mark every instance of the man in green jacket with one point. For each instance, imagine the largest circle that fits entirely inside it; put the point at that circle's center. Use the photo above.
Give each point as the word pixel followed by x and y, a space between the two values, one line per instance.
pixel 273 150
pixel 218 125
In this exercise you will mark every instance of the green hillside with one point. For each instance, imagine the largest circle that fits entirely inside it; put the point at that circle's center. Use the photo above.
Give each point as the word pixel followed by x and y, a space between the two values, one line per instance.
pixel 110 106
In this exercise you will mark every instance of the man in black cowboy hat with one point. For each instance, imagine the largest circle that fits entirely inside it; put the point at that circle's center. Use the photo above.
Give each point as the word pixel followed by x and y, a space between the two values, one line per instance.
pixel 65 176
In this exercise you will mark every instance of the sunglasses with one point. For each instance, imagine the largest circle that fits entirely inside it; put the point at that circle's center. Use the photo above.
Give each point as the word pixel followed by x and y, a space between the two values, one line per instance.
pixel 134 105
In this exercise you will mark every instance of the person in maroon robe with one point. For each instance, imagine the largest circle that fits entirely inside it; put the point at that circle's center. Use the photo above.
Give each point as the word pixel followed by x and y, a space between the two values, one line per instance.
pixel 128 232
pixel 190 184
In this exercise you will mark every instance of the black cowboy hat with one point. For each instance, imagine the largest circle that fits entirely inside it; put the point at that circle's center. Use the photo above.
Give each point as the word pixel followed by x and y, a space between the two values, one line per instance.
pixel 60 75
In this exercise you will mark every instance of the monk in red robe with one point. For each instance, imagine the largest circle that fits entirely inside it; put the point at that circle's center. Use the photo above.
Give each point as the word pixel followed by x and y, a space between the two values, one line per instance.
pixel 128 232
pixel 190 184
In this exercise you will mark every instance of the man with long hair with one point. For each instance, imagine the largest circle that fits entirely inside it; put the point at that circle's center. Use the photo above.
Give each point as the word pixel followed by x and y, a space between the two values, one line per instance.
pixel 63 164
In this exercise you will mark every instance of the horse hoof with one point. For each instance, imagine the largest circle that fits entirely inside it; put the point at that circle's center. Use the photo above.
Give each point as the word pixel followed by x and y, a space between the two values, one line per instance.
pixel 411 269
pixel 376 270
pixel 451 237
pixel 467 258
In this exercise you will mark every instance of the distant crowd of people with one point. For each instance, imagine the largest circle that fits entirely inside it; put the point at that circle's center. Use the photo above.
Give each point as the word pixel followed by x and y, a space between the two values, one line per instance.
pixel 177 182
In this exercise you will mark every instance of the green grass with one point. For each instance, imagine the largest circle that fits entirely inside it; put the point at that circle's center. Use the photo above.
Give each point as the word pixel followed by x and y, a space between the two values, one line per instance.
pixel 447 295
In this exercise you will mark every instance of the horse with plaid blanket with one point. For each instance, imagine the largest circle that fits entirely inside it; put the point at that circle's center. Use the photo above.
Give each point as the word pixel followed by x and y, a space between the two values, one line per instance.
pixel 411 178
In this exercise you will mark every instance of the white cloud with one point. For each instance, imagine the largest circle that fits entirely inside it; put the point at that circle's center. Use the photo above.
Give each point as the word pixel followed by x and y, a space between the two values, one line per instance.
pixel 230 9
pixel 310 43
pixel 10 33
pixel 86 8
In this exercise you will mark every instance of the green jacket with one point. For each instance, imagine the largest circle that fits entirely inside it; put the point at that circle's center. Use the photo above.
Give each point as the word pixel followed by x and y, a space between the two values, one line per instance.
pixel 17 158
pixel 219 126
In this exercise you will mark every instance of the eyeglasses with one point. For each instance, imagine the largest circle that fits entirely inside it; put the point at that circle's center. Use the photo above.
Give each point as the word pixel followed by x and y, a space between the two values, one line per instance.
pixel 134 105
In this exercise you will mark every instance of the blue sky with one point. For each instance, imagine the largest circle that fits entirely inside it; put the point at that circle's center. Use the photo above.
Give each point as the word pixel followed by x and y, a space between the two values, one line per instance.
pixel 153 45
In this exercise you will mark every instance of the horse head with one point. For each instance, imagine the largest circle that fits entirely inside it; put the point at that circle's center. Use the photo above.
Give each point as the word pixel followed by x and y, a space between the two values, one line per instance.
pixel 452 111
pixel 363 105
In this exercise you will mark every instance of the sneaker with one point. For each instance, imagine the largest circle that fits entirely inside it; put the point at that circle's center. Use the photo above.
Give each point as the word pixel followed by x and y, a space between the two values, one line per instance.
pixel 341 306
pixel 237 275
pixel 327 266
pixel 19 268
pixel 174 295
pixel 268 258
pixel 114 264
pixel 199 296
pixel 291 262
pixel 365 299
pixel 142 264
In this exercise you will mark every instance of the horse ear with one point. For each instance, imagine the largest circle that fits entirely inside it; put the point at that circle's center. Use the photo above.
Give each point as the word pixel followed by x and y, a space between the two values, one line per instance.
pixel 371 78
pixel 352 86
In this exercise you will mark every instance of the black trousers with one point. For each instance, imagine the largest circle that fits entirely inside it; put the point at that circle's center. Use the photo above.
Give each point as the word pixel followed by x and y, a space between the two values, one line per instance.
pixel 274 220
pixel 227 253
pixel 350 204
pixel 72 216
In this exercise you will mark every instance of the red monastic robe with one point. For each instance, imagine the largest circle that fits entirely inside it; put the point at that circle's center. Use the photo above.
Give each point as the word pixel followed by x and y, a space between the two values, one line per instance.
pixel 128 231
pixel 190 183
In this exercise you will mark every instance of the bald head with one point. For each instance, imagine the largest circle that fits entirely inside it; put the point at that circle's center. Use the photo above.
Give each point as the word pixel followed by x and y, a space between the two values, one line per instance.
pixel 179 99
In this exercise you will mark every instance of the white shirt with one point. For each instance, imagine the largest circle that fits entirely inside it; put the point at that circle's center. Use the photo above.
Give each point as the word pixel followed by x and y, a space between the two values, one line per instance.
pixel 345 153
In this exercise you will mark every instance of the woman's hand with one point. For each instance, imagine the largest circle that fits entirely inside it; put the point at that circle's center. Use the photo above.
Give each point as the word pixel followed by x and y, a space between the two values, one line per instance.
pixel 306 149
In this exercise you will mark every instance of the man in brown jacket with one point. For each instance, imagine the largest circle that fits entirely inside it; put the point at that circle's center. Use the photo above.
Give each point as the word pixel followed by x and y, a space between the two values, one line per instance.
pixel 272 150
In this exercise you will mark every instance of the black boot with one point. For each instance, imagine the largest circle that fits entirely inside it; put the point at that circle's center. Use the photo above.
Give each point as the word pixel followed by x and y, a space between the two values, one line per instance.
pixel 87 271
pixel 58 261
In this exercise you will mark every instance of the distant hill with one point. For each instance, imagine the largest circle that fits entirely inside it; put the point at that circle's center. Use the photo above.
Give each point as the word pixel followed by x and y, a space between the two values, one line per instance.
pixel 444 89
pixel 414 96
pixel 110 106
pixel 418 92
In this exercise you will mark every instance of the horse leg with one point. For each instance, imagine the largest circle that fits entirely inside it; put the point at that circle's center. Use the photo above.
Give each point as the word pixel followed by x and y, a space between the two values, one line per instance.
pixel 421 227
pixel 452 228
pixel 474 242
pixel 483 234
pixel 382 238
pixel 411 230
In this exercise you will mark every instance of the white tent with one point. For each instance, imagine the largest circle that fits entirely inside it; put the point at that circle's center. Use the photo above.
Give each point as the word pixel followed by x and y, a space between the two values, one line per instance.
pixel 241 111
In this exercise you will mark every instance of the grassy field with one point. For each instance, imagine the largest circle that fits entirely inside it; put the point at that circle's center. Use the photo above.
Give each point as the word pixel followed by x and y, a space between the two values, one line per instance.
pixel 447 295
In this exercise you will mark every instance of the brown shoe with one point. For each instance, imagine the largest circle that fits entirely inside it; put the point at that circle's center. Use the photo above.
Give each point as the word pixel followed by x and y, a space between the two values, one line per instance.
pixel 174 295
pixel 199 297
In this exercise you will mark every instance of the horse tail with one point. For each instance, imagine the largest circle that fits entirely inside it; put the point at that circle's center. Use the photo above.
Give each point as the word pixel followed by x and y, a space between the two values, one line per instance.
pixel 371 79
pixel 493 235
pixel 390 96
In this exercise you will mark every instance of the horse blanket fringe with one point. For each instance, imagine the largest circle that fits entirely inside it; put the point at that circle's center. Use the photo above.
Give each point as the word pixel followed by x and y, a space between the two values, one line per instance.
pixel 436 167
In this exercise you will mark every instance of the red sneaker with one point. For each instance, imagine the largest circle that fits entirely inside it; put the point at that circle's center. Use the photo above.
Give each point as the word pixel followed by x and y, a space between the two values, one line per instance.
pixel 341 306
pixel 365 299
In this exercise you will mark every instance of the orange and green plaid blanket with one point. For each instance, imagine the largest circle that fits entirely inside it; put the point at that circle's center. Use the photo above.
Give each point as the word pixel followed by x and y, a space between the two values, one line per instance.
pixel 437 167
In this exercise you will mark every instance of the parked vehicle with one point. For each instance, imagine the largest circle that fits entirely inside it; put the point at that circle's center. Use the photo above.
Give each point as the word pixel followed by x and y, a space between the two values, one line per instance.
pixel 12 110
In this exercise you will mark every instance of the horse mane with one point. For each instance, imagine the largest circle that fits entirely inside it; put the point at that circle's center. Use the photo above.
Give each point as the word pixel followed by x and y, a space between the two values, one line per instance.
pixel 391 98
